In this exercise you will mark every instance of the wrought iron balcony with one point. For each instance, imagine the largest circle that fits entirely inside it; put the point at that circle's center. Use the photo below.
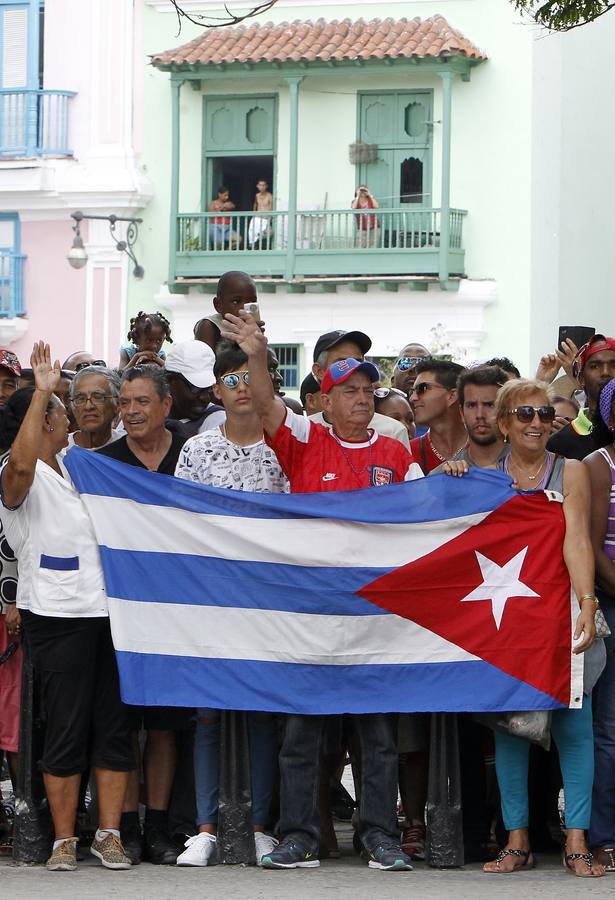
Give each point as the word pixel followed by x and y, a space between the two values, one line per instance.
pixel 34 123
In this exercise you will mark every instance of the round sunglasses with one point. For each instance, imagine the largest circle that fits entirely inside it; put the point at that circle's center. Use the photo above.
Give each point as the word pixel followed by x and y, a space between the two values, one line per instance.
pixel 382 392
pixel 232 380
pixel 526 414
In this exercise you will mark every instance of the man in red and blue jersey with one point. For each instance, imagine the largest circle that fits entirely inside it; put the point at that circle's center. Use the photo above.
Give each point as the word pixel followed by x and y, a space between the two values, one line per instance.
pixel 350 455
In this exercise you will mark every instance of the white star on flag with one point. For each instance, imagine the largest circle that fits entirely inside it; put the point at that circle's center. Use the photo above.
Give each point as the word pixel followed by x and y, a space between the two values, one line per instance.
pixel 500 583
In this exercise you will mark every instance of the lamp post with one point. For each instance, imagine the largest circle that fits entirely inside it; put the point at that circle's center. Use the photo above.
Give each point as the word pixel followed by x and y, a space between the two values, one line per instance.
pixel 77 255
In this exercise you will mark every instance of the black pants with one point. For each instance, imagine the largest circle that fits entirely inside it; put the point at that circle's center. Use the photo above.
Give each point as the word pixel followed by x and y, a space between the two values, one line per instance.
pixel 86 722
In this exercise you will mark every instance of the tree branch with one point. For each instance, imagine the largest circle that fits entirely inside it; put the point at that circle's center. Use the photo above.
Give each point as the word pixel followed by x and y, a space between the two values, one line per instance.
pixel 564 15
pixel 219 21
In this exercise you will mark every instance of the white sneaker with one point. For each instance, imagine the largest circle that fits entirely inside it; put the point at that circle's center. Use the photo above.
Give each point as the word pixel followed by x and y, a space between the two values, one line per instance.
pixel 199 850
pixel 264 845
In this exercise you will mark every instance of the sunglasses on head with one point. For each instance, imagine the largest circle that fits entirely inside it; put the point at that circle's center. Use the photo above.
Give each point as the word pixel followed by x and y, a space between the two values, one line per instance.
pixel 382 392
pixel 232 380
pixel 526 414
pixel 409 362
pixel 86 365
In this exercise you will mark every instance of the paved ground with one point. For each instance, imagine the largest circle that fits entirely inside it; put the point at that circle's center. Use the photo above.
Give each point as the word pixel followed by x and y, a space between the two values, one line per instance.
pixel 345 879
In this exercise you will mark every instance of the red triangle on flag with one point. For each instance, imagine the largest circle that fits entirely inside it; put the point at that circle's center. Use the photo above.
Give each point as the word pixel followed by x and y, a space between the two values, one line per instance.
pixel 533 642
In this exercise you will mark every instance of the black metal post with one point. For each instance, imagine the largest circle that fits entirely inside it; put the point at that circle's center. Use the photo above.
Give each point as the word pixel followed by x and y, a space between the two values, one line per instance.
pixel 444 812
pixel 235 831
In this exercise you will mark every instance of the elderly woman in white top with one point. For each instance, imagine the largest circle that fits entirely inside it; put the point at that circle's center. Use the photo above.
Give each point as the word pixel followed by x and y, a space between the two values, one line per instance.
pixel 64 614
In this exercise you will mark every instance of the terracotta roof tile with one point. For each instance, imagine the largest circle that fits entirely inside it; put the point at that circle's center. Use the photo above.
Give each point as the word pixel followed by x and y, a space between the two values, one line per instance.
pixel 320 40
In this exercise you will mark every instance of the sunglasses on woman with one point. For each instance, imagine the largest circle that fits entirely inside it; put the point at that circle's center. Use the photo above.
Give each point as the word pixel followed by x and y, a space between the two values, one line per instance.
pixel 409 362
pixel 526 414
pixel 232 380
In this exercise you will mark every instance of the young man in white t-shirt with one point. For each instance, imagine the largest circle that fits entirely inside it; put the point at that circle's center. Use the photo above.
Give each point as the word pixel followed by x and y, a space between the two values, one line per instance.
pixel 234 456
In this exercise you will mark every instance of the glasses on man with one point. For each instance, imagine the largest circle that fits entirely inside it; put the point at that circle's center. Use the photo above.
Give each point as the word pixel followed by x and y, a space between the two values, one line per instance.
pixel 98 398
pixel 86 365
pixel 232 379
pixel 526 414
pixel 423 386
pixel 404 363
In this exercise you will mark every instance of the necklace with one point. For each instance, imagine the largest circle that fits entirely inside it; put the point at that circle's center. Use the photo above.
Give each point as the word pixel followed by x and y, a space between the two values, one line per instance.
pixel 439 455
pixel 527 474
pixel 357 472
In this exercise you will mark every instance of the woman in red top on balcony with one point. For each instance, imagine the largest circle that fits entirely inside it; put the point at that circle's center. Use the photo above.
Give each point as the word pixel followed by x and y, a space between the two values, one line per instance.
pixel 368 226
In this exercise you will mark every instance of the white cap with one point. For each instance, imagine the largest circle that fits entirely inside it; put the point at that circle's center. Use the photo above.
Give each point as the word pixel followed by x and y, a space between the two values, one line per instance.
pixel 194 360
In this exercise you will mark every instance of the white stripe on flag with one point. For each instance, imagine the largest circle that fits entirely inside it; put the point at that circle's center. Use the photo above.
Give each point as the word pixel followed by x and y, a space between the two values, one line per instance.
pixel 215 633
pixel 300 542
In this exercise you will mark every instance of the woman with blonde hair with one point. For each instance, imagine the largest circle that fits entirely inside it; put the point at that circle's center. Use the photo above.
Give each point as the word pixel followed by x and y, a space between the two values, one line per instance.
pixel 524 416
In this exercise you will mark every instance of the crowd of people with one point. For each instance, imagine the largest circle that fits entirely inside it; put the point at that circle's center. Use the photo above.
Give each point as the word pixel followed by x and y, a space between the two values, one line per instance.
pixel 212 410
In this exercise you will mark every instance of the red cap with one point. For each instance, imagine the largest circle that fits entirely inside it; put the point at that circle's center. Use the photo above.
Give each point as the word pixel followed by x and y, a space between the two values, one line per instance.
pixel 596 344
pixel 9 361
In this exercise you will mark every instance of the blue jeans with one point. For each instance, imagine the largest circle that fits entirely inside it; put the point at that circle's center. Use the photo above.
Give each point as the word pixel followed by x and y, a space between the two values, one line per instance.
pixel 219 235
pixel 299 779
pixel 602 827
pixel 263 738
pixel 572 731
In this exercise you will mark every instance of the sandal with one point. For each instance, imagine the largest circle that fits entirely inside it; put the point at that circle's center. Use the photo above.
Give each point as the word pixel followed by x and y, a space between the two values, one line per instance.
pixel 525 855
pixel 605 856
pixel 587 858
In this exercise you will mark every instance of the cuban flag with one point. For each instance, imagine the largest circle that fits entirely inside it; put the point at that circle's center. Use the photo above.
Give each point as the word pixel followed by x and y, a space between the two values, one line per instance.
pixel 441 594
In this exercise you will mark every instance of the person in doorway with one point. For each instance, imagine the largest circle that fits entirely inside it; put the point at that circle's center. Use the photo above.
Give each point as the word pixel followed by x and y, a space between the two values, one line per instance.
pixel 259 229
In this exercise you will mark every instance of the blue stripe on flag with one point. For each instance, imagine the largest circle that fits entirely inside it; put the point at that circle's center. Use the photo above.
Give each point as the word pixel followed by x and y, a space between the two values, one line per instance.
pixel 150 679
pixel 424 500
pixel 206 581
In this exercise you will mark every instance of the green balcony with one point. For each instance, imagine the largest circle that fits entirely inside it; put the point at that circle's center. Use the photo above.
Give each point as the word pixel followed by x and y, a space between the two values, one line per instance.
pixel 400 242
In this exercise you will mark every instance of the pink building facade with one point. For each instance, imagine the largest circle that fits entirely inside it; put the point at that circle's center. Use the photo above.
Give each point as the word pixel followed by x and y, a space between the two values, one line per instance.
pixel 70 136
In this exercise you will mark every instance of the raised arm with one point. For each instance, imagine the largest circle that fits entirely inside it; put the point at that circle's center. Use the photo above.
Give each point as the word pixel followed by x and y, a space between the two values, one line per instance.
pixel 578 554
pixel 18 475
pixel 245 332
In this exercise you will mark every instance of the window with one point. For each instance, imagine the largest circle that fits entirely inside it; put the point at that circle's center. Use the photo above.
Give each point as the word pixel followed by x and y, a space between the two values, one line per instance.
pixel 288 357
pixel 21 23
pixel 11 267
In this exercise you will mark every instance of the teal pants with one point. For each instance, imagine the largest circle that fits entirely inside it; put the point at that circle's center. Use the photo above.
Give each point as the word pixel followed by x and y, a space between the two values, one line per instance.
pixel 572 732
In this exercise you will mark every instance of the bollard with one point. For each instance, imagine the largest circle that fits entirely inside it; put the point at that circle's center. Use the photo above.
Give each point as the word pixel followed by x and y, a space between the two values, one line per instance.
pixel 444 812
pixel 33 830
pixel 235 832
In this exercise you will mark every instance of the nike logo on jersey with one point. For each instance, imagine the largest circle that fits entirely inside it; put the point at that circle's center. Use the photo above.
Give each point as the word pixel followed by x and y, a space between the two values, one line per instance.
pixel 330 476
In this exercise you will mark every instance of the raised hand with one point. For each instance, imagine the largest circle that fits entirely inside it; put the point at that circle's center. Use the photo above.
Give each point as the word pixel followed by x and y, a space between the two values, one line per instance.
pixel 548 367
pixel 46 376
pixel 245 331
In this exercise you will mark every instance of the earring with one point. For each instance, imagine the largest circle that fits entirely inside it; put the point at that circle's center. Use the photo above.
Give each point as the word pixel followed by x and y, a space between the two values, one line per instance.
pixel 51 428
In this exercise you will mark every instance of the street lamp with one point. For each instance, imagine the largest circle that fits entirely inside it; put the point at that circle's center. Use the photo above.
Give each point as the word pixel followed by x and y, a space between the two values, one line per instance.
pixel 77 255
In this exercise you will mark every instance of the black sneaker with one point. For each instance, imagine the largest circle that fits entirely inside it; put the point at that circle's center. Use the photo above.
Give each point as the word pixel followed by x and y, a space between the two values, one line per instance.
pixel 132 839
pixel 390 857
pixel 159 848
pixel 289 855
